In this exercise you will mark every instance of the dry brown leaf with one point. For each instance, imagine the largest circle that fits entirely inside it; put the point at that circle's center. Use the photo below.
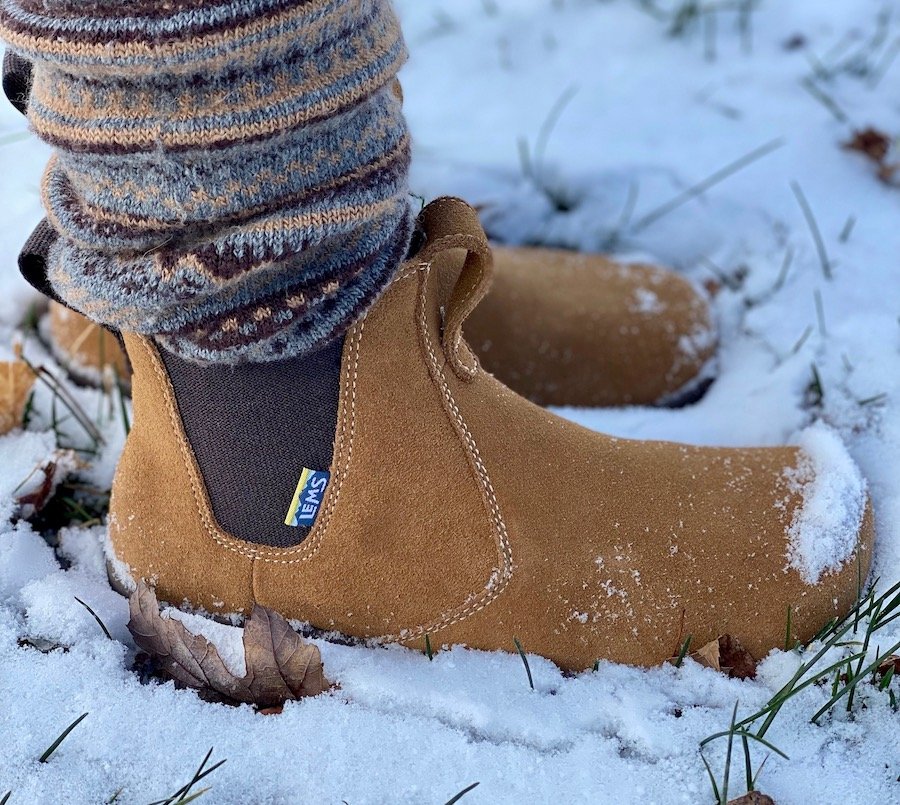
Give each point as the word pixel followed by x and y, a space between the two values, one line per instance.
pixel 39 497
pixel 708 656
pixel 280 665
pixel 887 663
pixel 735 660
pixel 870 142
pixel 727 656
pixel 753 798
pixel 16 382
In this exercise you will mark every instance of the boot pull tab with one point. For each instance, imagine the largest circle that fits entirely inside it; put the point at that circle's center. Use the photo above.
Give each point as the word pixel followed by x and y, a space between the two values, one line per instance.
pixel 450 223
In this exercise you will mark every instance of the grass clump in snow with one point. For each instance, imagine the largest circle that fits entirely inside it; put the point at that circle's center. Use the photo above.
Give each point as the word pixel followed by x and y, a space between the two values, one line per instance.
pixel 183 794
pixel 851 638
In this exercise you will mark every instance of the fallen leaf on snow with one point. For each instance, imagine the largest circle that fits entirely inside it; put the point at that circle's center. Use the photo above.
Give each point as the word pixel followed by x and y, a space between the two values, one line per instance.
pixel 280 665
pixel 709 656
pixel 870 142
pixel 35 500
pixel 887 663
pixel 753 798
pixel 735 660
pixel 16 382
pixel 728 656
pixel 36 491
pixel 876 146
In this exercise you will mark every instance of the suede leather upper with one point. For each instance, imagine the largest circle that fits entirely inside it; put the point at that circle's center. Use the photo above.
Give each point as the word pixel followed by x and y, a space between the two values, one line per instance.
pixel 570 329
pixel 460 510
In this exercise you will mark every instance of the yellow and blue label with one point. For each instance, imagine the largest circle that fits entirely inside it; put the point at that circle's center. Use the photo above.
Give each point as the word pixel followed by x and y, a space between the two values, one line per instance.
pixel 308 499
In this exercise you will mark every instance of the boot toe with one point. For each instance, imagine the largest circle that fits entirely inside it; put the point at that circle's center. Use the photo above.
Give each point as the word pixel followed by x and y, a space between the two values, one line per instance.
pixel 570 329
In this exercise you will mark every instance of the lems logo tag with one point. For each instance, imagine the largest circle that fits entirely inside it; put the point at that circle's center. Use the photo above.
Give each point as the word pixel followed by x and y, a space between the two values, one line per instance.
pixel 308 499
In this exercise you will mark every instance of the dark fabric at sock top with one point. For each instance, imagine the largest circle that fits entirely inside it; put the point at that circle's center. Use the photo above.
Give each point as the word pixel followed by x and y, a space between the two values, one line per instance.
pixel 33 258
pixel 17 80
pixel 254 427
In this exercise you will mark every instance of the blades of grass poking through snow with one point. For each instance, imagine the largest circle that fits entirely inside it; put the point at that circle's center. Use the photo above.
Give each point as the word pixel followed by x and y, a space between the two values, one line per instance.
pixel 851 685
pixel 816 389
pixel 113 798
pixel 65 397
pixel 181 795
pixel 710 32
pixel 524 661
pixel 462 793
pixel 28 411
pixel 881 69
pixel 96 618
pixel 825 99
pixel 881 611
pixel 847 231
pixel 65 734
pixel 878 399
pixel 820 635
pixel 786 263
pixel 870 597
pixel 734 731
pixel 865 649
pixel 686 15
pixel 6 797
pixel 726 776
pixel 738 732
pixel 79 513
pixel 712 780
pixel 745 24
pixel 759 772
pixel 123 407
pixel 634 192
pixel 820 313
pixel 802 340
pixel 748 763
pixel 683 652
pixel 546 131
pixel 814 229
pixel 699 189
pixel 428 652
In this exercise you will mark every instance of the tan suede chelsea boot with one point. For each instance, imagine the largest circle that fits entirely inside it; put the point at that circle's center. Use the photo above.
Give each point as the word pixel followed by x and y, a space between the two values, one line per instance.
pixel 569 329
pixel 448 506
pixel 84 348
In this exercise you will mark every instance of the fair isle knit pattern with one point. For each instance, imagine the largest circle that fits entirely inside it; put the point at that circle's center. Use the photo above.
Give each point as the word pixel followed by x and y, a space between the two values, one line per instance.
pixel 228 176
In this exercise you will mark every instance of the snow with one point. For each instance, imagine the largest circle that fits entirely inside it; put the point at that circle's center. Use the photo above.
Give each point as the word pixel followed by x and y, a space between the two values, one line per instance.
pixel 638 117
pixel 833 491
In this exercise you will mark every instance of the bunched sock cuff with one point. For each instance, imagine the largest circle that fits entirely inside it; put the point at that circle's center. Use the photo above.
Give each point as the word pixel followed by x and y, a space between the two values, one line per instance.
pixel 230 177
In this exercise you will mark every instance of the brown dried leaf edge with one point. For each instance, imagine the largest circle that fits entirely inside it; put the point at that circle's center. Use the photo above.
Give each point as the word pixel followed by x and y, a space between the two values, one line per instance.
pixel 280 665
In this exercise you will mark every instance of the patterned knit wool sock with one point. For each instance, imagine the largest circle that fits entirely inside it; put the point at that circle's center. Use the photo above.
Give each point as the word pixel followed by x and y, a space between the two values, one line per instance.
pixel 229 176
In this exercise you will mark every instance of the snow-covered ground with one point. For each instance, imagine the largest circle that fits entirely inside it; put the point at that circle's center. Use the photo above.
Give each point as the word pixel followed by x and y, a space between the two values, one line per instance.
pixel 569 122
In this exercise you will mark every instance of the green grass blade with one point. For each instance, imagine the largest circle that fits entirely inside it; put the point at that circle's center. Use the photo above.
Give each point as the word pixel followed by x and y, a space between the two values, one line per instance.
pixel 524 661
pixel 96 618
pixel 712 780
pixel 461 794
pixel 65 734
